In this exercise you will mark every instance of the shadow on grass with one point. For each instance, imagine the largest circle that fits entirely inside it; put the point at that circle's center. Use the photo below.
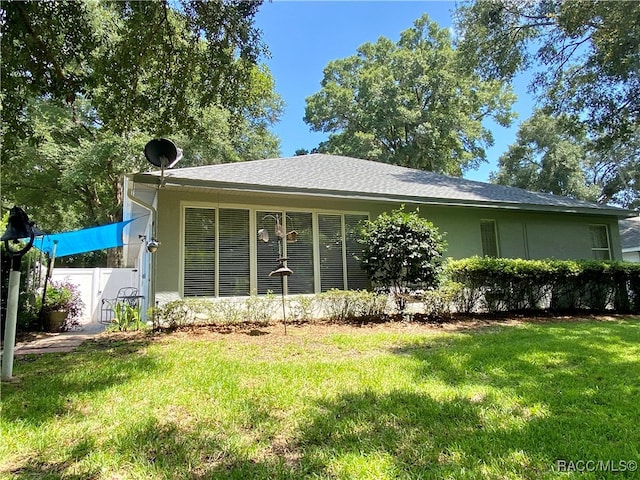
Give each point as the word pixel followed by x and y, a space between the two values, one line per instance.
pixel 37 468
pixel 169 449
pixel 502 404
pixel 499 404
pixel 94 366
pixel 553 392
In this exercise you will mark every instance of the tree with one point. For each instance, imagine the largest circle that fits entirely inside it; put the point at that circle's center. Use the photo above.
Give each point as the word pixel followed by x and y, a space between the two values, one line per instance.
pixel 86 84
pixel 70 172
pixel 586 53
pixel 550 155
pixel 410 103
pixel 402 251
pixel 553 154
pixel 147 65
pixel 617 172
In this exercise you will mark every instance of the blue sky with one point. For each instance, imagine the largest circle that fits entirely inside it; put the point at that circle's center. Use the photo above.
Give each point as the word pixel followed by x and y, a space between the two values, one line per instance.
pixel 304 36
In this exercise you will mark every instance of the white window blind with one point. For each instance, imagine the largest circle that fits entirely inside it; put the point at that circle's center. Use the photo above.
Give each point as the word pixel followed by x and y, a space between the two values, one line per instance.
pixel 233 252
pixel 267 252
pixel 300 252
pixel 199 252
pixel 489 238
pixel 331 255
pixel 356 276
pixel 600 242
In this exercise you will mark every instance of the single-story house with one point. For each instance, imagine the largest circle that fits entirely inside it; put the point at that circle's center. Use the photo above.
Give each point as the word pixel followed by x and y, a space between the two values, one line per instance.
pixel 630 239
pixel 222 227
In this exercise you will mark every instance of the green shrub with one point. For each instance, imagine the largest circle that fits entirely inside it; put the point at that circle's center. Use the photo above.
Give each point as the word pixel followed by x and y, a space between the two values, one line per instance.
pixel 402 252
pixel 350 305
pixel 513 285
pixel 438 303
pixel 203 311
pixel 302 308
pixel 229 312
pixel 187 311
pixel 259 309
pixel 126 317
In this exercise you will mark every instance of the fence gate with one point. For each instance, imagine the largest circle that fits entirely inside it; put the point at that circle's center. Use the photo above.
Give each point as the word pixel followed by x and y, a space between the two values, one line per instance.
pixel 95 284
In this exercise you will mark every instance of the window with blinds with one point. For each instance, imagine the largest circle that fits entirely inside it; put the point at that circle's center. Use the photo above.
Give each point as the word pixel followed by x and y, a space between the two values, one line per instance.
pixel 267 252
pixel 233 252
pixel 600 242
pixel 199 252
pixel 300 252
pixel 221 238
pixel 356 276
pixel 489 236
pixel 331 252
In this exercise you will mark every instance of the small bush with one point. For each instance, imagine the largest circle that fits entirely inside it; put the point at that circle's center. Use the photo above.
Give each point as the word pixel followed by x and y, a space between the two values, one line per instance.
pixel 349 305
pixel 260 310
pixel 302 308
pixel 438 303
pixel 187 311
pixel 126 317
pixel 202 311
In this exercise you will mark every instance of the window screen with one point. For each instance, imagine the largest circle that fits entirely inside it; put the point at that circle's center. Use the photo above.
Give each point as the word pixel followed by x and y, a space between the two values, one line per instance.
pixel 356 276
pixel 199 252
pixel 489 238
pixel 267 252
pixel 600 242
pixel 300 252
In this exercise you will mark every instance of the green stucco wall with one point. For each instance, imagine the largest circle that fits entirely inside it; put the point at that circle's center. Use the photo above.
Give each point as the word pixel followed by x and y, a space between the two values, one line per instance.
pixel 521 234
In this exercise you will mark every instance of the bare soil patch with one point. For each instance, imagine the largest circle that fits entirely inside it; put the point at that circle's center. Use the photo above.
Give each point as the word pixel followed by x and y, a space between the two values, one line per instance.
pixel 275 332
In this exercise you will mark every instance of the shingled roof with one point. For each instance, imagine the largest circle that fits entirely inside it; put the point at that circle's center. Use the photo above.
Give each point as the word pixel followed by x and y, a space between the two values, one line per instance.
pixel 630 234
pixel 346 177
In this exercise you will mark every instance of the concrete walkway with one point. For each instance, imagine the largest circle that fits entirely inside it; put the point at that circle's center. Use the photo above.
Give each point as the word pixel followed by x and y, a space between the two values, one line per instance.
pixel 59 342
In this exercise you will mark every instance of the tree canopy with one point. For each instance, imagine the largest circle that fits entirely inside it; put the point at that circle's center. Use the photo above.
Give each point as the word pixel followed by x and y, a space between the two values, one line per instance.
pixel 147 65
pixel 553 154
pixel 586 54
pixel 411 103
pixel 85 84
pixel 549 156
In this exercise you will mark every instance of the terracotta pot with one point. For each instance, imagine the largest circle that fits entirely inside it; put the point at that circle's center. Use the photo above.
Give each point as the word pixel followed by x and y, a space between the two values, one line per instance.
pixel 54 320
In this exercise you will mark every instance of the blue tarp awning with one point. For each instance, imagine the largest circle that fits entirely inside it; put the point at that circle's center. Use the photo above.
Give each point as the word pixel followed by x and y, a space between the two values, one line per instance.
pixel 82 241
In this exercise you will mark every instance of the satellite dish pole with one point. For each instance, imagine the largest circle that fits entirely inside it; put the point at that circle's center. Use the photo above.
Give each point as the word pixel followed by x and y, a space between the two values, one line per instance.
pixel 162 153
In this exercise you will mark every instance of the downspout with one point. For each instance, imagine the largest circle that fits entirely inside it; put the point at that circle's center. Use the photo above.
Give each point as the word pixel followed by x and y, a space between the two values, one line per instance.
pixel 154 216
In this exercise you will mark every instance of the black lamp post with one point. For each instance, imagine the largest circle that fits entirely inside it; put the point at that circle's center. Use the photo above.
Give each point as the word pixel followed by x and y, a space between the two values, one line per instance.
pixel 18 227
pixel 282 271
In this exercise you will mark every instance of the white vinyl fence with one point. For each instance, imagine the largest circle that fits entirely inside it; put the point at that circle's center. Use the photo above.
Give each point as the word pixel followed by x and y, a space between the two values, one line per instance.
pixel 95 284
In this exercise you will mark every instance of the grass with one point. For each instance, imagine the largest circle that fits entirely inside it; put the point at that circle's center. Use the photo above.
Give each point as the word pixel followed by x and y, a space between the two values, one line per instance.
pixel 503 402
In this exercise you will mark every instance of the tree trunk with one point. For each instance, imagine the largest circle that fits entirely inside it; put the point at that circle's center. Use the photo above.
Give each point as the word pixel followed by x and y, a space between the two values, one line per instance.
pixel 115 258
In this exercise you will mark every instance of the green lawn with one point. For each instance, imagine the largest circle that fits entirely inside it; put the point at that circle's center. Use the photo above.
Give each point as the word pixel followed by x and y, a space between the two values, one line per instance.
pixel 510 401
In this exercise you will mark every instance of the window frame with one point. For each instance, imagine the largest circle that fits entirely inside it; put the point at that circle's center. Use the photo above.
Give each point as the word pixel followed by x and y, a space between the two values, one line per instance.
pixel 600 249
pixel 496 237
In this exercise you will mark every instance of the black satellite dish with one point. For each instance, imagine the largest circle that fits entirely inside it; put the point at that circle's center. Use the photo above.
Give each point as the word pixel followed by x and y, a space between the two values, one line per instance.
pixel 162 153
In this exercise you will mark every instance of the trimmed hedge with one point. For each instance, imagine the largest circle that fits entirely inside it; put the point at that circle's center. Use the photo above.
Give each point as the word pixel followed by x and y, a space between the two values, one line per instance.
pixel 514 285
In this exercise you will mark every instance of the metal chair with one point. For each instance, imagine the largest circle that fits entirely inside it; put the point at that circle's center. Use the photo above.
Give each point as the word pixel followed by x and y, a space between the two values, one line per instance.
pixel 127 295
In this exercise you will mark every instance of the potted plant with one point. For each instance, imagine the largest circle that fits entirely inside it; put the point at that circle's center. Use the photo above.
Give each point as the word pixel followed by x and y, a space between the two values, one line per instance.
pixel 62 306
